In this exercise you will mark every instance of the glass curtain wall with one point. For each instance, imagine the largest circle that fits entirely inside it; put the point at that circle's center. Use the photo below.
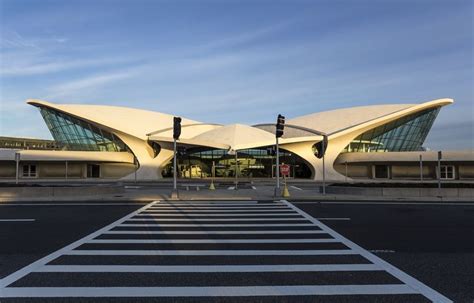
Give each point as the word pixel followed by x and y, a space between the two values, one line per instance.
pixel 251 163
pixel 405 134
pixel 78 135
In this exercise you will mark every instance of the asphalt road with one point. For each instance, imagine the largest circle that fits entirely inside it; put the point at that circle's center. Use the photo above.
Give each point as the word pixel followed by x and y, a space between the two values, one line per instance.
pixel 432 243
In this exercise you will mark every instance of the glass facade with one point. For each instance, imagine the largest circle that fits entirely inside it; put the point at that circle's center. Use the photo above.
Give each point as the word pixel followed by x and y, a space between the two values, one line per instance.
pixel 405 134
pixel 75 134
pixel 251 163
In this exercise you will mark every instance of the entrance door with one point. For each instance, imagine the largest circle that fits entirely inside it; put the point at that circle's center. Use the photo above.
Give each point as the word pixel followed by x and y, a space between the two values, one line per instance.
pixel 381 172
pixel 93 171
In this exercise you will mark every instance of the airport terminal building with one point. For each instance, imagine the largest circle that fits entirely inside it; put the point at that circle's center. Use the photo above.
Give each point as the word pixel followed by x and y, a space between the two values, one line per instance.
pixel 109 142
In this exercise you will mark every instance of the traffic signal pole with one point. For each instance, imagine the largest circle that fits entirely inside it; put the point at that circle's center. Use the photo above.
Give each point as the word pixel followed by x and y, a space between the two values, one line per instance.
pixel 279 127
pixel 277 167
pixel 176 134
pixel 324 170
pixel 175 185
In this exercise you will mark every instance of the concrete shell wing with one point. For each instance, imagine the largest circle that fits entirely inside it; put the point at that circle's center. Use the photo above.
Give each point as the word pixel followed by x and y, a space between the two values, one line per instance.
pixel 131 121
pixel 338 120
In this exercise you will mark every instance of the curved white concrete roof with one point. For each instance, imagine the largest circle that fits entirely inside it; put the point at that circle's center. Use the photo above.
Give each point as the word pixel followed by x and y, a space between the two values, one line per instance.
pixel 139 123
pixel 237 136
pixel 132 121
pixel 341 119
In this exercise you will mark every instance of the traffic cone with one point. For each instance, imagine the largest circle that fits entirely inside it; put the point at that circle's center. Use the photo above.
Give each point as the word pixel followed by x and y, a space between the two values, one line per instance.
pixel 285 193
pixel 212 187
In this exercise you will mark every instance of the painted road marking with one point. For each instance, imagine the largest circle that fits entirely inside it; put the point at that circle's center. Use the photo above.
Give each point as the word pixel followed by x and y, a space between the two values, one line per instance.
pixel 17 220
pixel 297 188
pixel 43 261
pixel 185 208
pixel 292 252
pixel 71 204
pixel 209 268
pixel 402 276
pixel 213 291
pixel 213 241
pixel 227 215
pixel 218 219
pixel 213 232
pixel 408 284
pixel 216 225
pixel 243 211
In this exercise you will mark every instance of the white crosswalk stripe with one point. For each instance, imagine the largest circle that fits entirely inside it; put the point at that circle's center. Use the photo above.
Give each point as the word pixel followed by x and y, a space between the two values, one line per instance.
pixel 176 255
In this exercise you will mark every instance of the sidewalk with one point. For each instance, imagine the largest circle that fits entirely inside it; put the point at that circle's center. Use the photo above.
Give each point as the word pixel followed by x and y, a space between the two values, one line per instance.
pixel 261 193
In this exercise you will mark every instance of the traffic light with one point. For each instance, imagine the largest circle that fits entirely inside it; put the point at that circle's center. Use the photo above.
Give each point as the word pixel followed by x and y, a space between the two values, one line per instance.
pixel 176 127
pixel 321 147
pixel 280 126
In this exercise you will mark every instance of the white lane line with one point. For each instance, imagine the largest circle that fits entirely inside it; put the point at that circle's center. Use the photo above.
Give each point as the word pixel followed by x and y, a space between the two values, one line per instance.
pixel 231 188
pixel 225 215
pixel 334 219
pixel 211 232
pixel 402 276
pixel 297 188
pixel 212 291
pixel 208 268
pixel 388 203
pixel 43 261
pixel 152 252
pixel 216 225
pixel 204 241
pixel 17 220
pixel 191 211
pixel 72 204
pixel 254 188
pixel 214 219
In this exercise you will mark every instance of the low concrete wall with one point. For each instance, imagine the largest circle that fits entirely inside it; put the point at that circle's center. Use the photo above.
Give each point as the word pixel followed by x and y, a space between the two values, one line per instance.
pixel 402 191
pixel 20 192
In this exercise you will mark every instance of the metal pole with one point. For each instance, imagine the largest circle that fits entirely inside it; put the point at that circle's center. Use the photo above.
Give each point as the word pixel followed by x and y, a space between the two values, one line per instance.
pixel 17 160
pixel 236 167
pixel 277 168
pixel 136 168
pixel 324 171
pixel 66 170
pixel 213 172
pixel 439 171
pixel 346 170
pixel 174 166
pixel 421 168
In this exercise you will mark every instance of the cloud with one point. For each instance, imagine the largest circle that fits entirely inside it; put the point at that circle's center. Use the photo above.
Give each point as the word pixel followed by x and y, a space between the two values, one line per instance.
pixel 72 87
pixel 13 40
pixel 246 37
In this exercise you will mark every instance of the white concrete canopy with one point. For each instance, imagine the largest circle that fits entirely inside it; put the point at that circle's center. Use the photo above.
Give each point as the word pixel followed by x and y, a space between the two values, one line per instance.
pixel 136 126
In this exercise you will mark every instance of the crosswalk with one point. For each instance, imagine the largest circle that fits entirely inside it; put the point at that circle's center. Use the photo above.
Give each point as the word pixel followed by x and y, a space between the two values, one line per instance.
pixel 220 249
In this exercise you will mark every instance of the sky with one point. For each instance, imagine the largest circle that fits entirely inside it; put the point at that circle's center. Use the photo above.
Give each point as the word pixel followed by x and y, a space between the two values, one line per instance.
pixel 238 61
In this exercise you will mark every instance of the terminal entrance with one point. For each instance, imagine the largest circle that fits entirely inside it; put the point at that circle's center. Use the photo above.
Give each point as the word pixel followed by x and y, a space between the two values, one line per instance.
pixel 249 163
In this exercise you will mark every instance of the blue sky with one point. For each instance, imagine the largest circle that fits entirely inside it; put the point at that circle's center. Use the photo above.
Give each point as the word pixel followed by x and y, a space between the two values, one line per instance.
pixel 238 61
